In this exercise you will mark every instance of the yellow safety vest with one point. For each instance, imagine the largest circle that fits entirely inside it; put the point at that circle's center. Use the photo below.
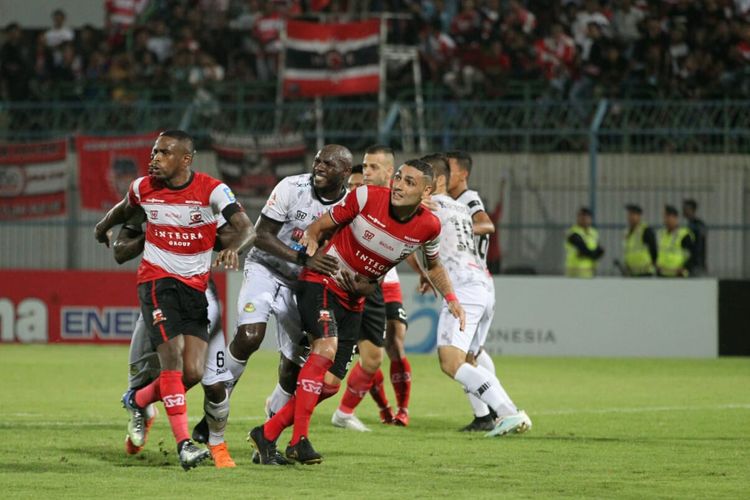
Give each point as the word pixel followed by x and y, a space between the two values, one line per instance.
pixel 636 255
pixel 579 266
pixel 672 256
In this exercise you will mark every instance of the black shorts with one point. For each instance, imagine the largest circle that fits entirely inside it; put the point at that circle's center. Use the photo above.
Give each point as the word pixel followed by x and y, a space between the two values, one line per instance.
pixel 373 319
pixel 395 311
pixel 323 316
pixel 172 308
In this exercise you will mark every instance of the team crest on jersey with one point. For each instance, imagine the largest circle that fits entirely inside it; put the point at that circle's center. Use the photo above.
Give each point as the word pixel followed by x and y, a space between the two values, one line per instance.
pixel 369 235
pixel 158 316
pixel 249 307
pixel 301 215
pixel 196 217
pixel 325 316
pixel 297 234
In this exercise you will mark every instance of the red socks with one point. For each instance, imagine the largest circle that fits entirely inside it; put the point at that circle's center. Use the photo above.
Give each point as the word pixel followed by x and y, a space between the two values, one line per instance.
pixel 148 394
pixel 377 391
pixel 309 387
pixel 285 417
pixel 401 380
pixel 357 385
pixel 173 395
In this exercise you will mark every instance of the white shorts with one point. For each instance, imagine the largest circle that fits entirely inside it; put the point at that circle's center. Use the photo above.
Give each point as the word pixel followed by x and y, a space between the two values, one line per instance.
pixel 262 295
pixel 144 363
pixel 478 301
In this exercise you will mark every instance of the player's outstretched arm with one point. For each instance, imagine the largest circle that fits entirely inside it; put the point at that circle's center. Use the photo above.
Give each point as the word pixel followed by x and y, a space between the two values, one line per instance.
pixel 118 214
pixel 424 280
pixel 314 232
pixel 267 231
pixel 440 280
pixel 242 240
pixel 130 240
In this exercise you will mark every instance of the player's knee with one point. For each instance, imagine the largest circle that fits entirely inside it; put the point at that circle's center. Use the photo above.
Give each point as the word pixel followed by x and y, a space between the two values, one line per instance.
pixel 247 340
pixel 325 347
pixel 450 365
pixel 192 374
pixel 215 393
pixel 372 361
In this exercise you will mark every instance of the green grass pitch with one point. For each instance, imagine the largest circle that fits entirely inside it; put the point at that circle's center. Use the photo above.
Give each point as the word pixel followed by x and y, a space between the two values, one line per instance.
pixel 603 428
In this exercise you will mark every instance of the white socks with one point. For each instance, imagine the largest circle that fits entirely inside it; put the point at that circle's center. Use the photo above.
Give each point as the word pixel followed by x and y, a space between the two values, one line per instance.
pixel 278 398
pixel 216 417
pixel 485 386
pixel 235 367
pixel 477 406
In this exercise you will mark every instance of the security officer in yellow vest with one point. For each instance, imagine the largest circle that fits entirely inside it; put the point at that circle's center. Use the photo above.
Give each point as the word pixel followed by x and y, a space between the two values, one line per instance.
pixel 676 245
pixel 639 242
pixel 582 248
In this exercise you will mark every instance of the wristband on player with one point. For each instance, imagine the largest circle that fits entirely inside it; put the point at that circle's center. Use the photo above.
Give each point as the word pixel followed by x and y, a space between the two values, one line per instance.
pixel 451 297
pixel 302 257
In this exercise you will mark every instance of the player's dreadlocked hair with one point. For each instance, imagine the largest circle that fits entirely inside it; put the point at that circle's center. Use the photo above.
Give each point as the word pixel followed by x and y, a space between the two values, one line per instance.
pixel 463 159
pixel 440 166
pixel 181 136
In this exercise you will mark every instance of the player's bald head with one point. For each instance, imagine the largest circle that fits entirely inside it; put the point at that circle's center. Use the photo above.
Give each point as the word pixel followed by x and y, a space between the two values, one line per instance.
pixel 338 154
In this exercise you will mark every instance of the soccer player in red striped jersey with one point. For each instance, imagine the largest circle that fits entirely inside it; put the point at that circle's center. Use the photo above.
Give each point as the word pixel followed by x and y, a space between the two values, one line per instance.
pixel 181 208
pixel 383 313
pixel 376 228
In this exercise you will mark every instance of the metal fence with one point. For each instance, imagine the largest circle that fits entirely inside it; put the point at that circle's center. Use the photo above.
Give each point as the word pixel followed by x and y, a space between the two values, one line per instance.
pixel 554 155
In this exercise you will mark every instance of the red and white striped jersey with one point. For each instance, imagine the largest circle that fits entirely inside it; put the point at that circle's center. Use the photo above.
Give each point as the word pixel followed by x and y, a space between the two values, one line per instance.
pixel 370 241
pixel 180 227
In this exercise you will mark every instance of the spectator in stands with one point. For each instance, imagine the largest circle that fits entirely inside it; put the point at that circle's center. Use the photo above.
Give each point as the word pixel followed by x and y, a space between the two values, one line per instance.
pixel 626 23
pixel 435 50
pixel 520 18
pixel 555 55
pixel 15 69
pixel 159 42
pixel 698 228
pixel 591 14
pixel 58 35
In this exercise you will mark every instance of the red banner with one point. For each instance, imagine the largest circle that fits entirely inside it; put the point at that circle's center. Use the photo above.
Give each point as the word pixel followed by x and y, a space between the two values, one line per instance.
pixel 107 166
pixel 331 59
pixel 33 179
pixel 72 306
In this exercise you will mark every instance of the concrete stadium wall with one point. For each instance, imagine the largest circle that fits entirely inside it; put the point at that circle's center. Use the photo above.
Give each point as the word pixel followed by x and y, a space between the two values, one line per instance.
pixel 537 316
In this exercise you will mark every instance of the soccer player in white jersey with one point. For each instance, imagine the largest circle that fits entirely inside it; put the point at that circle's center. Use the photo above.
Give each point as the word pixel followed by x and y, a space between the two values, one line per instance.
pixel 144 363
pixel 272 267
pixel 460 163
pixel 473 286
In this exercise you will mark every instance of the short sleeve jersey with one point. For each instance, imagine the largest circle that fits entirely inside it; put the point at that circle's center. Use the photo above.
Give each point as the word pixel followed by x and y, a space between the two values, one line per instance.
pixel 180 227
pixel 294 204
pixel 471 199
pixel 457 247
pixel 370 240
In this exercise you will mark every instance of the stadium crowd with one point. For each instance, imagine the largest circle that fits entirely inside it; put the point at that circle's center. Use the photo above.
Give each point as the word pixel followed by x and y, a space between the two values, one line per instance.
pixel 576 49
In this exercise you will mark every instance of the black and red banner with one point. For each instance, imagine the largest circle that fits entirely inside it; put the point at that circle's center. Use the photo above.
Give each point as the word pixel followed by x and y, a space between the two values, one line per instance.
pixel 33 179
pixel 107 166
pixel 331 59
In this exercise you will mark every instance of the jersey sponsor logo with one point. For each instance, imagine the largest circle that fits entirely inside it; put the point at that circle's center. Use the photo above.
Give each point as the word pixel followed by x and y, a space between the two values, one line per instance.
pixel 386 246
pixel 106 323
pixel 375 220
pixel 230 194
pixel 173 215
pixel 397 378
pixel 193 202
pixel 153 214
pixel 474 203
pixel 173 400
pixel 177 238
pixel 369 235
pixel 409 238
pixel 158 316
pixel 297 234
pixel 249 307
pixel 312 386
pixel 196 216
pixel 153 200
pixel 300 215
pixel 371 264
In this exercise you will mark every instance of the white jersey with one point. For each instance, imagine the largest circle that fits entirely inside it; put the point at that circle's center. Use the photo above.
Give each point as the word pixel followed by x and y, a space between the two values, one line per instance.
pixel 471 199
pixel 457 249
pixel 294 204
